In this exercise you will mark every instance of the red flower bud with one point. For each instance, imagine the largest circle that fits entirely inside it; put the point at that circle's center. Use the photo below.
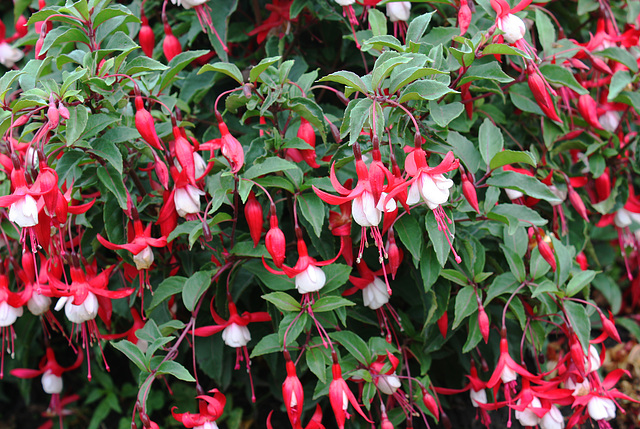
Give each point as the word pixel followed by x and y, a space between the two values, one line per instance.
pixel 145 124
pixel 253 214
pixel 464 16
pixel 588 110
pixel 483 323
pixel 603 186
pixel 275 241
pixel 308 134
pixel 578 204
pixel 395 254
pixel 469 192
pixel 170 45
pixel 64 112
pixel 581 259
pixel 547 253
pixel 146 37
pixel 39 56
pixel 161 171
pixel 542 97
pixel 443 324
pixel 53 115
pixel 430 402
pixel 609 326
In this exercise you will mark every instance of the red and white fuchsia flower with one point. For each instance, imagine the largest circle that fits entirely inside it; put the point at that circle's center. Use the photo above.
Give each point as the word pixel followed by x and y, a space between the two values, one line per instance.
pixel 210 407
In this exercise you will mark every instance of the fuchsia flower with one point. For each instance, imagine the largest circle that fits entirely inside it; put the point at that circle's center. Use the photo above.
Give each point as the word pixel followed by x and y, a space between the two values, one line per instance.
pixel 340 396
pixel 254 216
pixel 139 245
pixel 292 393
pixel 234 332
pixel 348 12
pixel 203 11
pixel 430 185
pixel 50 371
pixel 278 22
pixel 10 309
pixel 368 199
pixel 308 276
pixel 210 407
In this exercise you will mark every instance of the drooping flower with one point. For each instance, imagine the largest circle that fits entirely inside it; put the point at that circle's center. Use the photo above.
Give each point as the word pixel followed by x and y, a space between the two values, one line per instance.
pixel 210 407
pixel 293 393
pixel 308 276
pixel 340 396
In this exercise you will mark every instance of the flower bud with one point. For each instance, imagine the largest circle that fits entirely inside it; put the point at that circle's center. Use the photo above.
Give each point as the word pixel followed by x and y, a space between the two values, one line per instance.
pixel 170 45
pixel 578 204
pixel 609 326
pixel 581 259
pixel 587 107
pixel 145 124
pixel 146 37
pixel 464 16
pixel 469 192
pixel 603 186
pixel 308 134
pixel 253 215
pixel 547 253
pixel 541 95
pixel 443 324
pixel 275 242
pixel 430 403
pixel 483 323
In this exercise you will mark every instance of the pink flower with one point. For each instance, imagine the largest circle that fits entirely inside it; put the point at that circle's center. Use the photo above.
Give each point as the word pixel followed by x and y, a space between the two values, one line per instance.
pixel 210 407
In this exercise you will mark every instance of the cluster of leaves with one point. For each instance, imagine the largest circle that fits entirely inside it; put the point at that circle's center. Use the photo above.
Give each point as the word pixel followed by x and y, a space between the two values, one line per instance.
pixel 110 184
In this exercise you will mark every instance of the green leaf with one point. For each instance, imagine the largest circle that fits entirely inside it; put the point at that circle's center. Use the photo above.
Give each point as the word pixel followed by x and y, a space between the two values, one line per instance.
pixel 425 90
pixel 144 64
pixel 466 304
pixel 474 337
pixel 377 22
pixel 443 113
pixel 328 303
pixel 579 320
pixel 337 275
pixel 229 69
pixel 630 325
pixel 354 345
pixel 502 284
pixel 77 123
pixel 522 97
pixel 538 267
pixel 313 210
pixel 429 268
pixel 502 49
pixel 177 370
pixel 195 287
pixel 134 354
pixel 564 260
pixel 490 140
pixel 358 115
pixel 382 71
pixel 291 326
pixel 515 263
pixel 267 344
pixel 272 281
pixel 108 151
pixel 579 281
pixel 254 74
pixel 418 26
pixel 523 215
pixel 455 276
pixel 610 290
pixel 562 76
pixel 491 71
pixel 619 82
pixel 411 235
pixel 176 65
pixel 317 362
pixel 283 301
pixel 546 30
pixel 112 180
pixel 438 238
pixel 113 11
pixel 63 35
pixel 544 286
pixel 465 150
pixel 347 78
pixel 270 165
pixel 512 157
pixel 381 43
pixel 525 184
pixel 409 75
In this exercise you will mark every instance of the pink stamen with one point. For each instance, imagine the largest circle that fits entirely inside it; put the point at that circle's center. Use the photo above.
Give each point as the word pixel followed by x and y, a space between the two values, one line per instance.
pixel 442 219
